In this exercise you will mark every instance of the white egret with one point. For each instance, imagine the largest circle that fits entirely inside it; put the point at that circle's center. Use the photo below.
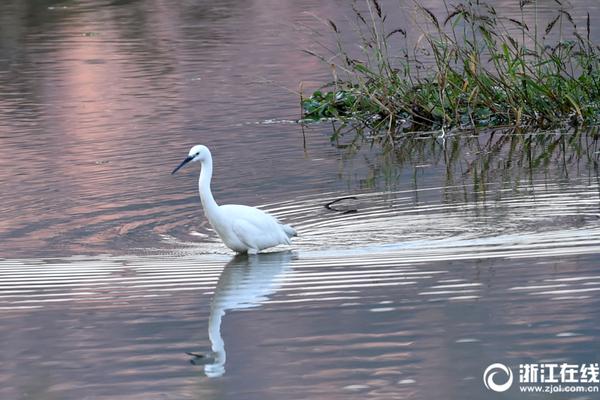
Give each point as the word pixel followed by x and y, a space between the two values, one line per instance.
pixel 243 229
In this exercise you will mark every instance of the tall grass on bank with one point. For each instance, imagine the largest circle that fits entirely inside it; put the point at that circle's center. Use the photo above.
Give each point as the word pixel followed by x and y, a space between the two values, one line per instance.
pixel 484 70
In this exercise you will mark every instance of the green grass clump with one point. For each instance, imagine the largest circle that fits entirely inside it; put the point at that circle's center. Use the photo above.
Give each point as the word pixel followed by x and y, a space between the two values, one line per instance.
pixel 469 70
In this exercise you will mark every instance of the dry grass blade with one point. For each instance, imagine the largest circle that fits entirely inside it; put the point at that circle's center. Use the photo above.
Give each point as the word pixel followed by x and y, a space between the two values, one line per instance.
pixel 569 17
pixel 333 25
pixel 588 26
pixel 458 11
pixel 519 23
pixel 431 15
pixel 398 30
pixel 377 8
pixel 551 24
pixel 358 14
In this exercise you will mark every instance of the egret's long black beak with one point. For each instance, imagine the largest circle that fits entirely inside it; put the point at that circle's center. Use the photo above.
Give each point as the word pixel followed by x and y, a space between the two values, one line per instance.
pixel 187 160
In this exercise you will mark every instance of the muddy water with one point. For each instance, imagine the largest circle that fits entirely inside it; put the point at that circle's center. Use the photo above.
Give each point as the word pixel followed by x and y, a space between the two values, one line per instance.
pixel 439 258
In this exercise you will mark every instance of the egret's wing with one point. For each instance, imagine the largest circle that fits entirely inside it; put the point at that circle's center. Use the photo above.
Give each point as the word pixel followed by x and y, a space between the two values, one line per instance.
pixel 257 229
pixel 246 232
pixel 259 234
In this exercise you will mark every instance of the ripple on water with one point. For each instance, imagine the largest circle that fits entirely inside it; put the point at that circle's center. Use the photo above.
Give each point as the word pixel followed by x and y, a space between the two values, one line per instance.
pixel 543 220
pixel 379 320
pixel 380 297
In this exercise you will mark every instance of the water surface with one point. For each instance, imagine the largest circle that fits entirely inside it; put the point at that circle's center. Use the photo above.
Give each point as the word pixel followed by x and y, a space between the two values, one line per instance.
pixel 444 257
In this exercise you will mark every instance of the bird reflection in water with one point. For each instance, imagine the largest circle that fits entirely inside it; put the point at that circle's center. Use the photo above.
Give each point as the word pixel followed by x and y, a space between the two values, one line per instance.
pixel 246 282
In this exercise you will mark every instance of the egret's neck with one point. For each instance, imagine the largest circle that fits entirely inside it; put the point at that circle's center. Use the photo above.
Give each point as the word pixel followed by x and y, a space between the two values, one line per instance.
pixel 208 201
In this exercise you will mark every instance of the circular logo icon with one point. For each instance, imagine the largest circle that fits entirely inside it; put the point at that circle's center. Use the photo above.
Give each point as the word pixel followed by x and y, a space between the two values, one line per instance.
pixel 491 371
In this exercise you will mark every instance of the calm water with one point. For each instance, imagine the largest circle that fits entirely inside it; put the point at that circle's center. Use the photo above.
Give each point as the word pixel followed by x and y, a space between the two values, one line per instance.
pixel 450 255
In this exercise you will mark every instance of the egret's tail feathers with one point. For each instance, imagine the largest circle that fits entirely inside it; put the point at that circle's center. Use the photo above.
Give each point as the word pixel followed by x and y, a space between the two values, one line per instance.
pixel 289 231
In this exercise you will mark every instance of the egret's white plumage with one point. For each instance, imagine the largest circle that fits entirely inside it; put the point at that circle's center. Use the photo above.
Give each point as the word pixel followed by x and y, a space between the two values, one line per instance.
pixel 242 228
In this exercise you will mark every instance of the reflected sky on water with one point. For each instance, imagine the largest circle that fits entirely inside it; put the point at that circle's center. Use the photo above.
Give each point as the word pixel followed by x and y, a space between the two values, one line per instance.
pixel 449 255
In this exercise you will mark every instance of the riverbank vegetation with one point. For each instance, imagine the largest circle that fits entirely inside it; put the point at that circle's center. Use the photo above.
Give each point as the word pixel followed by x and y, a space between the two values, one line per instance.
pixel 469 69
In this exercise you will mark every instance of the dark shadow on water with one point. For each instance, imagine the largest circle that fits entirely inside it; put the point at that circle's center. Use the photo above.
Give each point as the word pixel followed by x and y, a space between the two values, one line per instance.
pixel 247 281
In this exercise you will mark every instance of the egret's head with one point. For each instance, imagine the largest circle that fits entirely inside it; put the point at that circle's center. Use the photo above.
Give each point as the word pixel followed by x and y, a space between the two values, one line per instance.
pixel 197 153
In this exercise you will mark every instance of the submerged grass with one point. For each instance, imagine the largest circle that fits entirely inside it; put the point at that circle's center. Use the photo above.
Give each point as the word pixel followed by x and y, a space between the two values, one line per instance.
pixel 471 69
